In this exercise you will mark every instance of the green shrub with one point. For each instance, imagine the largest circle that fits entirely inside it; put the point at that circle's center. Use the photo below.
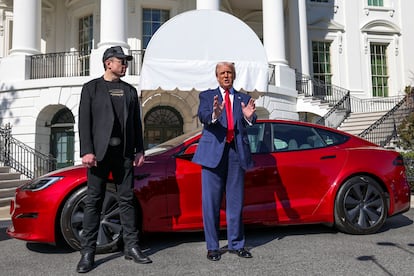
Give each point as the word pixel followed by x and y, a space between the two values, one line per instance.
pixel 409 167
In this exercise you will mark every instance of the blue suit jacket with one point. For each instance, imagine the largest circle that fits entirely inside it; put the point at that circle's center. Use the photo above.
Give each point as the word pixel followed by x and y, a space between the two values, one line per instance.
pixel 211 145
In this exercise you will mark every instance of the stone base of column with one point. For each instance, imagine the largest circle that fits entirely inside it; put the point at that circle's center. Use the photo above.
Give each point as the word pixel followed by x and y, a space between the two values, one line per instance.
pixel 285 77
pixel 14 68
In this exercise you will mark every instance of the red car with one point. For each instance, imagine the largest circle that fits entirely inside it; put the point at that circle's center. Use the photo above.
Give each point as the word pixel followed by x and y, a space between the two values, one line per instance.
pixel 303 174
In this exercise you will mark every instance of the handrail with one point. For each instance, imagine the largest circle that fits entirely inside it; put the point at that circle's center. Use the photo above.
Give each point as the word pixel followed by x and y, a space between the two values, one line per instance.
pixel 61 64
pixel 23 158
pixel 337 97
pixel 374 104
pixel 334 117
pixel 72 64
pixel 379 131
pixel 135 65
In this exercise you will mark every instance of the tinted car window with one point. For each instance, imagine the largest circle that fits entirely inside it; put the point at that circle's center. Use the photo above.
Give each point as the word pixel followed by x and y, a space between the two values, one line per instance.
pixel 331 138
pixel 277 137
pixel 288 137
pixel 259 138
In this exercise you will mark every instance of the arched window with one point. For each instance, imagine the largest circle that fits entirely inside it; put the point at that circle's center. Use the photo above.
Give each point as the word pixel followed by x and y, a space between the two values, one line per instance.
pixel 62 138
pixel 162 123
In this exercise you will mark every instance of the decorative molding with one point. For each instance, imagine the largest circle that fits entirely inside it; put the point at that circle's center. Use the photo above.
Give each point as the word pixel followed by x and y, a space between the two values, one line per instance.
pixel 340 38
pixel 366 43
pixel 131 6
pixel 46 29
pixel 327 24
pixel 69 3
pixel 48 6
pixel 6 3
pixel 390 10
pixel 397 44
pixel 381 27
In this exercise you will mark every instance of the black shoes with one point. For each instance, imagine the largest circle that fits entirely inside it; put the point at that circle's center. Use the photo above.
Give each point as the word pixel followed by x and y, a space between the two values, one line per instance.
pixel 243 253
pixel 137 256
pixel 213 255
pixel 86 263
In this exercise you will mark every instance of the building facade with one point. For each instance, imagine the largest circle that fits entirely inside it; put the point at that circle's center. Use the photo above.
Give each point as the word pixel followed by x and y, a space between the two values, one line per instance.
pixel 49 48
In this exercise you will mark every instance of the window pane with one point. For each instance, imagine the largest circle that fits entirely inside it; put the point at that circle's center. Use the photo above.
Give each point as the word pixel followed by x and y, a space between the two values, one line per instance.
pixel 379 77
pixel 321 60
pixel 152 20
pixel 146 15
pixel 85 38
pixel 162 123
pixel 376 3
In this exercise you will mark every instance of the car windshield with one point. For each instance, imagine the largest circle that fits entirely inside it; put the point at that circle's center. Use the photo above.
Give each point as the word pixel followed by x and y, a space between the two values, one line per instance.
pixel 171 143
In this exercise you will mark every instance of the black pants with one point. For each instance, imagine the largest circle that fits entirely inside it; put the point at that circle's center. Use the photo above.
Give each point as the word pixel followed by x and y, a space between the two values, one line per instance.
pixel 123 173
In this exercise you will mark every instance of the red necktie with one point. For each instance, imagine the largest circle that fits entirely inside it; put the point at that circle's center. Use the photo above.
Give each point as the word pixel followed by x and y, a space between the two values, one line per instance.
pixel 229 113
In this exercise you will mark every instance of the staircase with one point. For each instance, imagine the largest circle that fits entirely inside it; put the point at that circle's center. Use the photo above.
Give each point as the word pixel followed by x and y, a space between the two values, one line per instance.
pixel 356 123
pixel 314 105
pixel 375 119
pixel 9 181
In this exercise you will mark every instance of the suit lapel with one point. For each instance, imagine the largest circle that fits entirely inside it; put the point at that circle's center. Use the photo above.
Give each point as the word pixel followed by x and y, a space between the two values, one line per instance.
pixel 221 99
pixel 106 98
pixel 126 107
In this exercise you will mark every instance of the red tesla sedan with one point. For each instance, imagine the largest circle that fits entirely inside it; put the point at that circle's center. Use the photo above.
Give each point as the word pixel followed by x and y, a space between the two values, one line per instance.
pixel 303 174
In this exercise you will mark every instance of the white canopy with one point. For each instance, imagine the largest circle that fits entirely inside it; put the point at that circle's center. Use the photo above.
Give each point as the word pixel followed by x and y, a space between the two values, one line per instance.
pixel 184 51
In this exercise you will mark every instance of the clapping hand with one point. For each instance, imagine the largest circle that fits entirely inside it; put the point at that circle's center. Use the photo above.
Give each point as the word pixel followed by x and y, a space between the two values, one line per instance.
pixel 217 108
pixel 249 109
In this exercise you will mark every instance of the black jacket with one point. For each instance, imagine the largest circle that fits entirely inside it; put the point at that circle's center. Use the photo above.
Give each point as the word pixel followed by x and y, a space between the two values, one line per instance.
pixel 96 119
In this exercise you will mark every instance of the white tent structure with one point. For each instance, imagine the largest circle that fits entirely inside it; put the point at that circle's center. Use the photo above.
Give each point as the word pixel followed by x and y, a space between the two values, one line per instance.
pixel 183 53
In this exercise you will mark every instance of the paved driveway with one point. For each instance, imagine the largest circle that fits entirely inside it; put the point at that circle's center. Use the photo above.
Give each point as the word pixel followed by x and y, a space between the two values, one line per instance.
pixel 304 250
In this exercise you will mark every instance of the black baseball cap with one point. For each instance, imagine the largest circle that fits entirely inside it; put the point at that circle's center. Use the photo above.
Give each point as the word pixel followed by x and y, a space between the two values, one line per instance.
pixel 115 51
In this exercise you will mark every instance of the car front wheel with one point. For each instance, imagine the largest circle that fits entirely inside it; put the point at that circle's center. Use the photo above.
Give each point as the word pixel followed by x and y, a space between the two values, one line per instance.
pixel 71 221
pixel 360 206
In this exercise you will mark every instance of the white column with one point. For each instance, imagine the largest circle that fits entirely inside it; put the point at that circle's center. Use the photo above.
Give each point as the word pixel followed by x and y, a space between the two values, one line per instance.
pixel 304 43
pixel 208 5
pixel 113 32
pixel 294 36
pixel 26 27
pixel 273 31
pixel 113 23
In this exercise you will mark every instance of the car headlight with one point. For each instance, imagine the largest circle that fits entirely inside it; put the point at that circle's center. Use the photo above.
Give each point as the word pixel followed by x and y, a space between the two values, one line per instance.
pixel 41 183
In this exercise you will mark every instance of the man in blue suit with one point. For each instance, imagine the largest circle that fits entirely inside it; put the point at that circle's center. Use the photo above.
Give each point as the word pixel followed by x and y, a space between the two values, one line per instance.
pixel 224 154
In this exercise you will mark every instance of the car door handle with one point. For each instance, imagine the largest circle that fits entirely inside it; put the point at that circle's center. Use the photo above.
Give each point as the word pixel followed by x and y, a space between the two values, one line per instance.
pixel 328 157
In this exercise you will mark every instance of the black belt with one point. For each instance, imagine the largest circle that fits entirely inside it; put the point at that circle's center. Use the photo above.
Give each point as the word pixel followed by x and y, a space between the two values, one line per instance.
pixel 114 141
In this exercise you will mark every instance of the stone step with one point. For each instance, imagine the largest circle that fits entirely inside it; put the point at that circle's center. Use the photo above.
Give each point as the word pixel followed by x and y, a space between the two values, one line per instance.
pixel 363 118
pixel 356 123
pixel 4 169
pixel 9 176
pixel 12 183
pixel 373 113
pixel 7 192
pixel 360 121
pixel 9 181
pixel 5 201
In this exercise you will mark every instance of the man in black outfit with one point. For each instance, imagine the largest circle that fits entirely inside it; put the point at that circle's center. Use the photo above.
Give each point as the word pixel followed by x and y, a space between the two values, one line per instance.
pixel 110 133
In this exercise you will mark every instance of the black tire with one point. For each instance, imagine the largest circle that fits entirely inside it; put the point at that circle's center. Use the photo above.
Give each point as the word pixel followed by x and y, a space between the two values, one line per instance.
pixel 360 206
pixel 109 234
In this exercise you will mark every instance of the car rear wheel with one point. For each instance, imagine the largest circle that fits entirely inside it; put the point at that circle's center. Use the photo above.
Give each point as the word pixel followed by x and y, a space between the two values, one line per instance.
pixel 360 206
pixel 109 233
